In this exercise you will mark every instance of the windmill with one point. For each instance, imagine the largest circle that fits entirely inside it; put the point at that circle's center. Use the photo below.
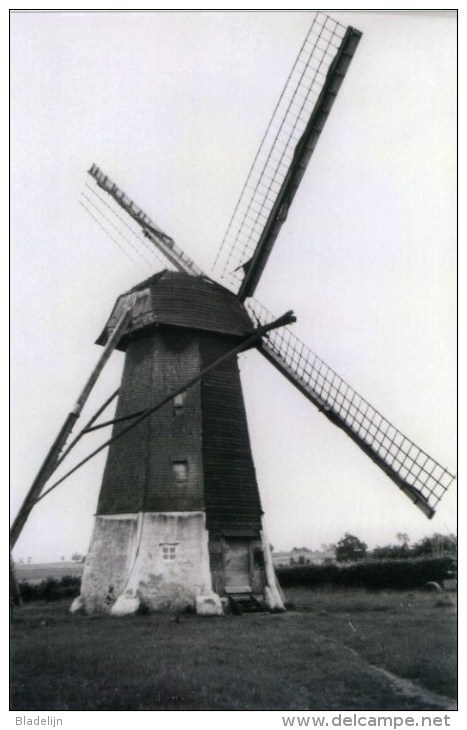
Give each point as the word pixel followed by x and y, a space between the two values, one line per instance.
pixel 188 533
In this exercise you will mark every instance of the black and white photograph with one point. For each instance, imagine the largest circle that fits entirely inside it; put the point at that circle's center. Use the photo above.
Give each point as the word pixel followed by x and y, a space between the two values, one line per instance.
pixel 233 342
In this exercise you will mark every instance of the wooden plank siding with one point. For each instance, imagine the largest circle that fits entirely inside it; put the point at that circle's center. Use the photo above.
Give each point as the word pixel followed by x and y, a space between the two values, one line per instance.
pixel 230 488
pixel 209 434
pixel 139 471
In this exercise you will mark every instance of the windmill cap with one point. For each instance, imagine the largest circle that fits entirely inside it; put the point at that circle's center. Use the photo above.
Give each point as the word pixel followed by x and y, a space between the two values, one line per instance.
pixel 181 300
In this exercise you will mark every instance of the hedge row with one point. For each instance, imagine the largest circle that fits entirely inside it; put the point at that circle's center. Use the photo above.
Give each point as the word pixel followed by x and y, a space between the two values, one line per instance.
pixel 374 574
pixel 51 589
pixel 406 574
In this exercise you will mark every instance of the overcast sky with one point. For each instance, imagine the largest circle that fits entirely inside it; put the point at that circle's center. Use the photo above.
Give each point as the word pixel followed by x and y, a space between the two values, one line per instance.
pixel 173 105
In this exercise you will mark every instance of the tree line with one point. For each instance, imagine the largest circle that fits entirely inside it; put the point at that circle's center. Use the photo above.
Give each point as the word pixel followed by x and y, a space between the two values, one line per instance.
pixel 351 549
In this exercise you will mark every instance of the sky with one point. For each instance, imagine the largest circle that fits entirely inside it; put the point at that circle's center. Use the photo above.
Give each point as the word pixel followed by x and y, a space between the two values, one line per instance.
pixel 172 106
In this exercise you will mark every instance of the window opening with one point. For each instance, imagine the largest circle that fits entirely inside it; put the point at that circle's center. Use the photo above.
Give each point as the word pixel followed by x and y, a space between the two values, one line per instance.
pixel 169 552
pixel 179 403
pixel 180 470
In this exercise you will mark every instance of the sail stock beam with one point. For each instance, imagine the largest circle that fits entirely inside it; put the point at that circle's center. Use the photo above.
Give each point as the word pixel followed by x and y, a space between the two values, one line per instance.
pixel 164 243
pixel 287 145
pixel 302 155
pixel 419 476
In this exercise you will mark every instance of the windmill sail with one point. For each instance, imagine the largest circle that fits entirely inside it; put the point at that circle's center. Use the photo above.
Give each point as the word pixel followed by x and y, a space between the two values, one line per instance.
pixel 284 153
pixel 150 229
pixel 419 476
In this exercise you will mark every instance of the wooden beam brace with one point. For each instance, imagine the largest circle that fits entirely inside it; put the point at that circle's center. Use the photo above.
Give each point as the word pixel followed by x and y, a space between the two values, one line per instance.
pixel 249 341
pixel 53 457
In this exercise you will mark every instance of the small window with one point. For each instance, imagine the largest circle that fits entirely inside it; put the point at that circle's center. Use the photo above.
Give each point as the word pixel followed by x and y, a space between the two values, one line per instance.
pixel 179 403
pixel 180 470
pixel 258 558
pixel 169 552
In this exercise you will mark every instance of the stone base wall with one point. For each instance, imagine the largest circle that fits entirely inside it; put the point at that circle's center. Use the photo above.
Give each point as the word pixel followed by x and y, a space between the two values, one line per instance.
pixel 160 558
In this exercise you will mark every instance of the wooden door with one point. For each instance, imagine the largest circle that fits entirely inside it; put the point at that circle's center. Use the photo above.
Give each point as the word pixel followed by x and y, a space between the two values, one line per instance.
pixel 236 563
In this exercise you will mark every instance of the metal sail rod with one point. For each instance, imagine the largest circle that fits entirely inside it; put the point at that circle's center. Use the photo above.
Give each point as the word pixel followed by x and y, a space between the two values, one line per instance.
pixel 302 155
pixel 153 233
pixel 249 341
pixel 53 457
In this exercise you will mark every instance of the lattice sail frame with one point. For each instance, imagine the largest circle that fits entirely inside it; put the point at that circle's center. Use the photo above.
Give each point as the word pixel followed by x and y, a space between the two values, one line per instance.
pixel 422 478
pixel 276 152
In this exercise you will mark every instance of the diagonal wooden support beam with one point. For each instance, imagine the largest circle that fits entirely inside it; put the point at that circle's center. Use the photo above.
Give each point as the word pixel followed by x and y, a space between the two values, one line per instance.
pixel 249 341
pixel 53 457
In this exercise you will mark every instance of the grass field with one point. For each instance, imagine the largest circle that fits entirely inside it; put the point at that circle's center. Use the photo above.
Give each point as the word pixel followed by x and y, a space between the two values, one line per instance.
pixel 334 651
pixel 35 572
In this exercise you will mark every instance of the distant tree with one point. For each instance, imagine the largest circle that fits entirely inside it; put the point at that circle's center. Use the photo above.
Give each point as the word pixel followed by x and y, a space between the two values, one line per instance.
pixel 394 552
pixel 29 560
pixel 436 544
pixel 77 558
pixel 350 548
pixel 388 552
pixel 403 538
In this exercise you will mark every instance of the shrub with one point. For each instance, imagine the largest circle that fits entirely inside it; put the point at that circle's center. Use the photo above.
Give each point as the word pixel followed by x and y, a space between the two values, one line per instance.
pixel 51 589
pixel 403 574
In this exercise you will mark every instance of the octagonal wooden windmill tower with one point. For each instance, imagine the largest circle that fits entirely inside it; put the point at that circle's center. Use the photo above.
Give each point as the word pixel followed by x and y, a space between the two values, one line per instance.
pixel 179 518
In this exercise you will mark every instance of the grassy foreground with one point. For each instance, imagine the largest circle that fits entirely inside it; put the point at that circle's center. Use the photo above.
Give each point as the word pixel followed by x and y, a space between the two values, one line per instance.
pixel 320 656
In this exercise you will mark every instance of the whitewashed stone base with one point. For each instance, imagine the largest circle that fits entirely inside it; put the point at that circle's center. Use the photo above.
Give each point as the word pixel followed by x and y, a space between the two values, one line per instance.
pixel 209 605
pixel 127 604
pixel 125 568
pixel 273 596
pixel 77 606
pixel 273 600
